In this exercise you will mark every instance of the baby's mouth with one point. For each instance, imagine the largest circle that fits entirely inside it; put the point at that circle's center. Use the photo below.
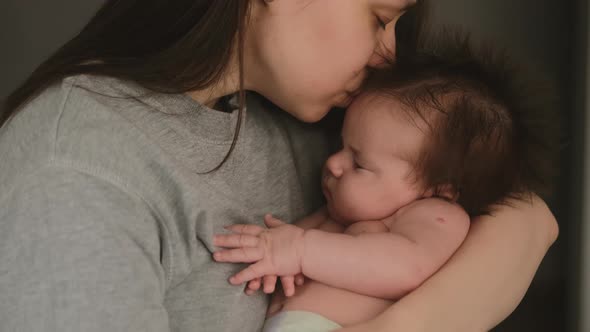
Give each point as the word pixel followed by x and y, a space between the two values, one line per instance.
pixel 326 191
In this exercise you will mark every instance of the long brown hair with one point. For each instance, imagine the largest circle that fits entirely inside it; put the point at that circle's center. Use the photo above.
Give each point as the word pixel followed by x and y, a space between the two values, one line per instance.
pixel 491 124
pixel 164 46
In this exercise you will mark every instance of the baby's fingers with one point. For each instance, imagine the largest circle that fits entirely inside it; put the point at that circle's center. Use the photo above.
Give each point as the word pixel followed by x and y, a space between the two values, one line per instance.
pixel 235 240
pixel 241 255
pixel 251 272
pixel 288 283
pixel 270 282
pixel 272 222
pixel 299 279
pixel 245 229
pixel 253 286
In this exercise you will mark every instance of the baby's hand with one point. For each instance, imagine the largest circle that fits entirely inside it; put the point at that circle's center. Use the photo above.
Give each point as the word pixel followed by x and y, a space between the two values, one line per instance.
pixel 268 284
pixel 275 251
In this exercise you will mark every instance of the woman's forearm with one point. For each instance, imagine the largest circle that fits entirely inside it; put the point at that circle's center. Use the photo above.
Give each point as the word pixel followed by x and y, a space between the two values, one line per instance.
pixel 485 280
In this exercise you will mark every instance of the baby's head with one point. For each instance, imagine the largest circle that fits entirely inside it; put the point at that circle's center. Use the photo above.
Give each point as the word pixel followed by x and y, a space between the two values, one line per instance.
pixel 445 122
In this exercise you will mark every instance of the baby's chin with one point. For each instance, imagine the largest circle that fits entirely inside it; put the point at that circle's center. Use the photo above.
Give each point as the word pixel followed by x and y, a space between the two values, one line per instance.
pixel 338 215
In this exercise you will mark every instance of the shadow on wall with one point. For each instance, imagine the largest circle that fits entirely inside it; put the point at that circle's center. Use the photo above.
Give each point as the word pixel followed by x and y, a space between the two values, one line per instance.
pixel 31 30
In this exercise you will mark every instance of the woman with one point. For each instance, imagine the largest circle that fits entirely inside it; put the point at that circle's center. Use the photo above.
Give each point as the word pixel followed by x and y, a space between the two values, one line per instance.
pixel 118 178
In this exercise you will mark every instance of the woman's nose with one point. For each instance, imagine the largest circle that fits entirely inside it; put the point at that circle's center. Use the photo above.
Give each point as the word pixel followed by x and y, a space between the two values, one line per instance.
pixel 384 53
pixel 334 166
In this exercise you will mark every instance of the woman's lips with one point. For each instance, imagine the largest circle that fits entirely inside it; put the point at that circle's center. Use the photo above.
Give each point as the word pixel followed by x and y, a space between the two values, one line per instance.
pixel 346 99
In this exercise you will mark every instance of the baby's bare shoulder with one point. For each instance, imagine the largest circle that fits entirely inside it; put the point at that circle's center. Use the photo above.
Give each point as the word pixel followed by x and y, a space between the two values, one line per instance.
pixel 430 215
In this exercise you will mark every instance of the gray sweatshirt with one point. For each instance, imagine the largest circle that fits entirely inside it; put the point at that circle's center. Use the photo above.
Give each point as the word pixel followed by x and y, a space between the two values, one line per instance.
pixel 106 223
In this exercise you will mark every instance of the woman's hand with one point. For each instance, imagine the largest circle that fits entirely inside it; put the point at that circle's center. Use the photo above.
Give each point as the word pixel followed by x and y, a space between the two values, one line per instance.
pixel 274 251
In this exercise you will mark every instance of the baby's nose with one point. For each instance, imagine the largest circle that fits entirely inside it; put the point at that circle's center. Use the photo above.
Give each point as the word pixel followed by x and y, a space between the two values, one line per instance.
pixel 333 167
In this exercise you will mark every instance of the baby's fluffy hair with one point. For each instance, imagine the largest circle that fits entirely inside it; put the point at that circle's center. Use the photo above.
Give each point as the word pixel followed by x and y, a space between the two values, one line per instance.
pixel 492 133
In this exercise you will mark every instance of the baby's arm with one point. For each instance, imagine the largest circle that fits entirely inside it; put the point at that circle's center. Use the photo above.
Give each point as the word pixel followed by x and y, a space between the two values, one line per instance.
pixel 269 282
pixel 317 220
pixel 423 236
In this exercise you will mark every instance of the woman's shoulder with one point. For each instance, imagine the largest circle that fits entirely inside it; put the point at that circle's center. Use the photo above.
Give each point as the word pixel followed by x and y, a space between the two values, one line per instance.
pixel 93 123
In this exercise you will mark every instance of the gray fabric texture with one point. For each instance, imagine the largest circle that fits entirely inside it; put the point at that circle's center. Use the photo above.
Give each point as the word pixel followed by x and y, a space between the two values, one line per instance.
pixel 106 223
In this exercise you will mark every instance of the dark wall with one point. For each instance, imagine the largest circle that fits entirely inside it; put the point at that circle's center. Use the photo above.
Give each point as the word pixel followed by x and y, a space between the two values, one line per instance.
pixel 540 31
pixel 30 30
pixel 544 34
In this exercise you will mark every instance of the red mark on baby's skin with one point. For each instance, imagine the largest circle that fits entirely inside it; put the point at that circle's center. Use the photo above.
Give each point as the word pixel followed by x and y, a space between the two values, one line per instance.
pixel 441 220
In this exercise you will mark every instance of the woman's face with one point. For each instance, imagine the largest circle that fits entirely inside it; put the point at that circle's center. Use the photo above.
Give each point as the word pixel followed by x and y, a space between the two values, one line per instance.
pixel 308 56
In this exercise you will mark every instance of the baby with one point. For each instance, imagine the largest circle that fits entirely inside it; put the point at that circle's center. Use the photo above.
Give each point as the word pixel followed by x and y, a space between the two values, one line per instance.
pixel 441 138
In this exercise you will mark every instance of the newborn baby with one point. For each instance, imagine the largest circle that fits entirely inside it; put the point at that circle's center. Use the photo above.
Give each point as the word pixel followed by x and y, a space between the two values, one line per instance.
pixel 440 138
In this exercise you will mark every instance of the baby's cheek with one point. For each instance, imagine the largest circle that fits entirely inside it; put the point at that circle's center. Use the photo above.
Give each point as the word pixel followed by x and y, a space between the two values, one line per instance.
pixel 355 204
pixel 370 205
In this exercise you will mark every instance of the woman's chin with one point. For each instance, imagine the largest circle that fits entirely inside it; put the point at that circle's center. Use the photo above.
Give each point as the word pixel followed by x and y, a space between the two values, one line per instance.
pixel 311 114
pixel 312 118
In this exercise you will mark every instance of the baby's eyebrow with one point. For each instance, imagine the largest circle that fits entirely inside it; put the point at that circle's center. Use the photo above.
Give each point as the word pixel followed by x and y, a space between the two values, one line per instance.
pixel 355 151
pixel 359 156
